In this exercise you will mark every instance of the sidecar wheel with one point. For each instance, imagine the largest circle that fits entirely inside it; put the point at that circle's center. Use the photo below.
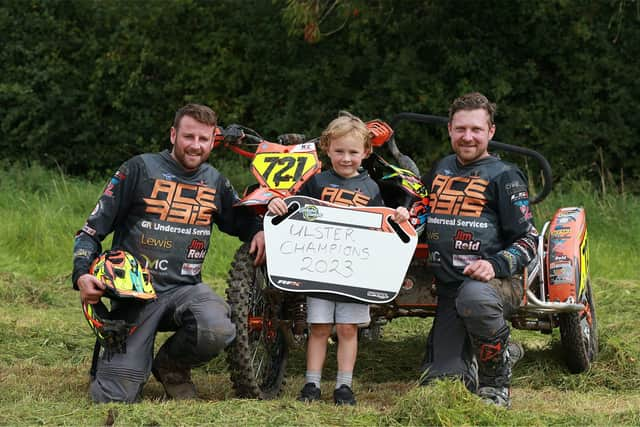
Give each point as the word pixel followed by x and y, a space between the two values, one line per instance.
pixel 258 357
pixel 579 335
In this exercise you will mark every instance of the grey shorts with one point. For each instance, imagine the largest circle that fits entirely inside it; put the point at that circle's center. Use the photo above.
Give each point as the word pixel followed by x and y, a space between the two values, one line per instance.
pixel 325 311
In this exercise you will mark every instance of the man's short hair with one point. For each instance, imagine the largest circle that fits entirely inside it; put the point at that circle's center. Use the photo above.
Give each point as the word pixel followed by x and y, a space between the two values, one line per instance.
pixel 198 112
pixel 473 101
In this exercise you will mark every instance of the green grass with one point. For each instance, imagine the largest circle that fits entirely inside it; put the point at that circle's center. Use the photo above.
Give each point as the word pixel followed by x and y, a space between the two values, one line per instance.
pixel 46 345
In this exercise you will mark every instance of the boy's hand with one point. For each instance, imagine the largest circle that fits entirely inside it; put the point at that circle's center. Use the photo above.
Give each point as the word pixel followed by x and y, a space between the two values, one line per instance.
pixel 401 214
pixel 277 206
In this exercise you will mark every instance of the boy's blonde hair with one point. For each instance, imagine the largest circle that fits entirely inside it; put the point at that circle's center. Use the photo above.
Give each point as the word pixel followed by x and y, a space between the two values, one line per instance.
pixel 346 123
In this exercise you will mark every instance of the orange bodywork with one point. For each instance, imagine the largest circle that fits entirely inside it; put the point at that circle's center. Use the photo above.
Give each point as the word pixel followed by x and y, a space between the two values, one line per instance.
pixel 380 132
pixel 567 255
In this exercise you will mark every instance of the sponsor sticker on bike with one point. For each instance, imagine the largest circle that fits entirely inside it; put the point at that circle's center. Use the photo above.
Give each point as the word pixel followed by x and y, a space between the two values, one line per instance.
pixel 353 252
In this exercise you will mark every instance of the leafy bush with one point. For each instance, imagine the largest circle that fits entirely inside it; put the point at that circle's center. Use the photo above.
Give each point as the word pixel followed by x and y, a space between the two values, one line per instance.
pixel 86 84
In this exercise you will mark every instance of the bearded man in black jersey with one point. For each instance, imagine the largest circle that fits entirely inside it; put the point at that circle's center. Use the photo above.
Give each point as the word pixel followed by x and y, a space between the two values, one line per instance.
pixel 481 233
pixel 161 208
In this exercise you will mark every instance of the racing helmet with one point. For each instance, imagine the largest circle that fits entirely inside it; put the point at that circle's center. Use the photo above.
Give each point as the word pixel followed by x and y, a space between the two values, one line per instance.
pixel 123 275
pixel 126 282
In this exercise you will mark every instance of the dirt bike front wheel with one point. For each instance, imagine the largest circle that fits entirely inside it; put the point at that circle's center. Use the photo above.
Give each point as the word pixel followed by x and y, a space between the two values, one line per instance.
pixel 579 334
pixel 257 358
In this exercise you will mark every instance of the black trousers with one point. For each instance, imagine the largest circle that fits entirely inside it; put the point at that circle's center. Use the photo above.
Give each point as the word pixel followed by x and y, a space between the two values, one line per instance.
pixel 203 329
pixel 467 310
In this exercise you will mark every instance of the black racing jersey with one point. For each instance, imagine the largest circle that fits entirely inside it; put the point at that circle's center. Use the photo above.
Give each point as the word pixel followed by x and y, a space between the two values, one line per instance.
pixel 360 190
pixel 164 216
pixel 478 211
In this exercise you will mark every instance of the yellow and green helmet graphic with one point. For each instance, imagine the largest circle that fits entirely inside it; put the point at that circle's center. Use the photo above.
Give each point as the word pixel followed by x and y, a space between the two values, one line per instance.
pixel 123 275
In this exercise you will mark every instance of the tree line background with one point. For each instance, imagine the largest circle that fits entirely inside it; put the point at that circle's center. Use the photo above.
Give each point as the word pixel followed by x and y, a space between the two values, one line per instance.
pixel 84 84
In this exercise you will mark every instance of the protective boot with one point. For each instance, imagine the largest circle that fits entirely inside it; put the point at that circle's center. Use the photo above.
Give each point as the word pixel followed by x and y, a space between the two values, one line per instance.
pixel 175 378
pixel 494 368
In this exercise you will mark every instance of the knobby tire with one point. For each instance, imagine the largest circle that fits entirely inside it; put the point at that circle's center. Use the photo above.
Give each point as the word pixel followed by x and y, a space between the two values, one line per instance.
pixel 579 339
pixel 257 358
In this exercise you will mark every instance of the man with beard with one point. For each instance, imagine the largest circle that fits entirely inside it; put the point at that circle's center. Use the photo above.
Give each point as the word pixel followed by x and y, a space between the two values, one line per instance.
pixel 480 214
pixel 161 208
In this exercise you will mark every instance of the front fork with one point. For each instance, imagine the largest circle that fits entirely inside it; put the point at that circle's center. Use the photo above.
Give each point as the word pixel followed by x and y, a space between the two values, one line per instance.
pixel 283 312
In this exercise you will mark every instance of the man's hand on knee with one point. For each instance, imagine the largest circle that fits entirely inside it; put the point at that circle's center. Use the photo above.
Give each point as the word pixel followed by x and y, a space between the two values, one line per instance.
pixel 480 270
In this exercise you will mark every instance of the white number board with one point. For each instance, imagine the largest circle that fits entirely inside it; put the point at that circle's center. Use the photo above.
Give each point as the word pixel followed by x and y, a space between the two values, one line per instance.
pixel 353 252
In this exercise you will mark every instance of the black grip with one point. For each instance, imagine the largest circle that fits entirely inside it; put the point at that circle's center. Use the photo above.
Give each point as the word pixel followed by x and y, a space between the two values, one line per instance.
pixel 232 133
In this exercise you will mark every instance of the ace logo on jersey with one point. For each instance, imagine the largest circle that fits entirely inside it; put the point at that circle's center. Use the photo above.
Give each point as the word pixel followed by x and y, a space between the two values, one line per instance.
pixel 181 203
pixel 458 195
pixel 344 197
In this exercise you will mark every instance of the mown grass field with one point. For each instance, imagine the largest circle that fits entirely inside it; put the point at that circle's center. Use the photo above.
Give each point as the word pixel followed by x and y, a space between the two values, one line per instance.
pixel 45 345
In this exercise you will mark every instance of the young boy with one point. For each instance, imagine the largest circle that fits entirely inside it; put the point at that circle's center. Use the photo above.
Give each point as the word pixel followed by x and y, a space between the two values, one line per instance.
pixel 347 141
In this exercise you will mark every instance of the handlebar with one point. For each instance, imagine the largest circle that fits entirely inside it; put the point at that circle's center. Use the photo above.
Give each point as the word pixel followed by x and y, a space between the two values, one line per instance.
pixel 291 138
pixel 234 136
pixel 545 167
